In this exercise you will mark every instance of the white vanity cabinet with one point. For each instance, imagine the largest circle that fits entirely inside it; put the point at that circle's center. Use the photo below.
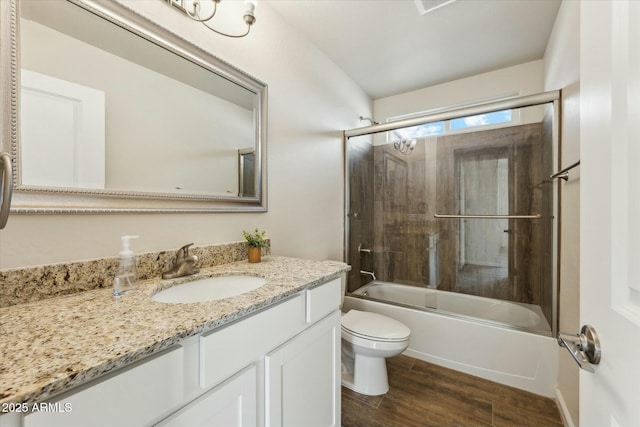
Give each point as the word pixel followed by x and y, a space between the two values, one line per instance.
pixel 303 375
pixel 303 378
pixel 132 396
pixel 231 366
pixel 289 362
pixel 277 367
pixel 231 404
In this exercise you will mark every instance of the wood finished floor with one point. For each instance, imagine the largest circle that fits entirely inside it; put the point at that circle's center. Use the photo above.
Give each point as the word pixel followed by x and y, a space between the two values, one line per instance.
pixel 422 395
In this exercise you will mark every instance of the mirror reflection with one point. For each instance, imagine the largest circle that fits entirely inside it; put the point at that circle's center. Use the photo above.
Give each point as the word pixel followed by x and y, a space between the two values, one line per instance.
pixel 105 109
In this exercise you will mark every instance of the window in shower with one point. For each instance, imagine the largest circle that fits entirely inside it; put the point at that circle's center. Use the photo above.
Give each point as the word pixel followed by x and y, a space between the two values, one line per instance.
pixel 487 119
pixel 449 126
pixel 429 129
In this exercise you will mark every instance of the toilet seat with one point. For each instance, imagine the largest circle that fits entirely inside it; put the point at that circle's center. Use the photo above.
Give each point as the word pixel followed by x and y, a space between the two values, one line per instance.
pixel 373 326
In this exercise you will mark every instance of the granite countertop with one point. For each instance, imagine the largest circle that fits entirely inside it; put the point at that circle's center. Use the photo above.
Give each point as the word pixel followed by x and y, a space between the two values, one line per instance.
pixel 48 346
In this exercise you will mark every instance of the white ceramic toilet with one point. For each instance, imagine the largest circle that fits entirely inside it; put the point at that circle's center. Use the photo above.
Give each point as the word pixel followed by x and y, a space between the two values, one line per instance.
pixel 367 340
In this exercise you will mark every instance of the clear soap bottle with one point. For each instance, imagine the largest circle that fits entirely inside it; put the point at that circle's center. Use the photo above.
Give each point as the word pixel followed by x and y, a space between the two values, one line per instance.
pixel 125 279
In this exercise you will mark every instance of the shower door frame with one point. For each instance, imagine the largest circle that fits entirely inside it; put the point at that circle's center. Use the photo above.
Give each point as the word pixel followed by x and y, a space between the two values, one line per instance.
pixel 551 97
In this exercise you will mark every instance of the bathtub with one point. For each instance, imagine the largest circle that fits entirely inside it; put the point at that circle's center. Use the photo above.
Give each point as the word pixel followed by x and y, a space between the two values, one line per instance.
pixel 450 337
pixel 525 316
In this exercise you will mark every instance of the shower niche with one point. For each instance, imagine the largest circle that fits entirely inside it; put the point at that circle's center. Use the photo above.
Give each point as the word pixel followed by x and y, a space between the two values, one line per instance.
pixel 468 212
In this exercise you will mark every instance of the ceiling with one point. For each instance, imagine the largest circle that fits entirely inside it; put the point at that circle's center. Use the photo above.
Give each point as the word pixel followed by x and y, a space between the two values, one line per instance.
pixel 388 48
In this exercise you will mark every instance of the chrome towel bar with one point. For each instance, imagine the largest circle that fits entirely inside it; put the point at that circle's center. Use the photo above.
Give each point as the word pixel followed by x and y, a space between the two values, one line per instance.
pixel 537 216
pixel 564 173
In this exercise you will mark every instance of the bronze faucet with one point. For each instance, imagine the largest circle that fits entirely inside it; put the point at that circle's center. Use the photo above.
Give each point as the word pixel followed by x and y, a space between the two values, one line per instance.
pixel 185 264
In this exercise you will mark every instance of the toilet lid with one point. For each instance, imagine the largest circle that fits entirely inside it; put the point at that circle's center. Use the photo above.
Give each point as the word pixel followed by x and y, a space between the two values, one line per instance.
pixel 374 326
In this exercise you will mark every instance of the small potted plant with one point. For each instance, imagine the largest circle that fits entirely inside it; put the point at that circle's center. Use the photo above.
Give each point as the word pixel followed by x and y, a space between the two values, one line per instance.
pixel 255 242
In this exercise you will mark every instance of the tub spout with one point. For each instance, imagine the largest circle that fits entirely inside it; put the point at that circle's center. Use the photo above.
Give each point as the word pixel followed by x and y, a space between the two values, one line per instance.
pixel 368 273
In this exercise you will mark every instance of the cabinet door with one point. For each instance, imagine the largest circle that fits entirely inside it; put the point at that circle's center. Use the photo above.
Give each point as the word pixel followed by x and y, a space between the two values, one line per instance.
pixel 232 404
pixel 134 396
pixel 303 378
pixel 228 350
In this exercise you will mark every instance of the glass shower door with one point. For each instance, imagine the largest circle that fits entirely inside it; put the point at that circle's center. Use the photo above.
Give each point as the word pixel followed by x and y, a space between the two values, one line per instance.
pixel 484 244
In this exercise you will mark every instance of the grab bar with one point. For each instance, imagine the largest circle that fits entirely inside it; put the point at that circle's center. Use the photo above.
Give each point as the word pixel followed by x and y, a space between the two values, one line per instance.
pixel 6 182
pixel 536 216
pixel 564 173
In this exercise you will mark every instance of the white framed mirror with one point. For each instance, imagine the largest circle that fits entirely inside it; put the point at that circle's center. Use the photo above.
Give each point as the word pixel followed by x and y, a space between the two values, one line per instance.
pixel 112 113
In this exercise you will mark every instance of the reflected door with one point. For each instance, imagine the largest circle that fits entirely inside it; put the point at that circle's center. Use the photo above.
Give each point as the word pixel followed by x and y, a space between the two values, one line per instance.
pixel 247 172
pixel 483 250
pixel 62 126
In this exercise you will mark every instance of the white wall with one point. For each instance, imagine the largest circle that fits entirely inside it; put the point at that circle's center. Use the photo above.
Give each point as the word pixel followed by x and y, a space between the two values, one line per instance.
pixel 310 102
pixel 523 79
pixel 562 71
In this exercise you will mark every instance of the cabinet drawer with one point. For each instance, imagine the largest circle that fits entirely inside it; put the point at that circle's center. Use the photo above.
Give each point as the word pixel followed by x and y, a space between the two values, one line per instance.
pixel 225 351
pixel 323 299
pixel 133 397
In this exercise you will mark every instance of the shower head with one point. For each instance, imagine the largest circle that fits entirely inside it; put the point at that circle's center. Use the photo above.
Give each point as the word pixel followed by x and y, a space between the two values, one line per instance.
pixel 373 122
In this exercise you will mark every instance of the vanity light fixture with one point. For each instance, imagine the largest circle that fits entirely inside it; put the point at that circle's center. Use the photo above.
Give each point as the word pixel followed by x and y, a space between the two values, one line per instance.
pixel 405 146
pixel 204 10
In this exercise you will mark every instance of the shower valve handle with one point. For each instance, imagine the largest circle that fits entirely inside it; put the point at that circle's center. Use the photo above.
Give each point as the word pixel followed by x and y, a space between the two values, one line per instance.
pixel 362 250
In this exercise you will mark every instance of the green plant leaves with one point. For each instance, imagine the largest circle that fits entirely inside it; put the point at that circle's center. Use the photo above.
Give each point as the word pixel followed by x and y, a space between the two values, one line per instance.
pixel 257 239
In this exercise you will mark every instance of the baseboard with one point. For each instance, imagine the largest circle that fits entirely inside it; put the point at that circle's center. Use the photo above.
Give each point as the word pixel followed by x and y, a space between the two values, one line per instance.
pixel 564 411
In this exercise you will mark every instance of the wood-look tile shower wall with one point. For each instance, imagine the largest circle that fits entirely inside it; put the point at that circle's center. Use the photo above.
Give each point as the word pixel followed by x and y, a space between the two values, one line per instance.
pixel 360 210
pixel 394 196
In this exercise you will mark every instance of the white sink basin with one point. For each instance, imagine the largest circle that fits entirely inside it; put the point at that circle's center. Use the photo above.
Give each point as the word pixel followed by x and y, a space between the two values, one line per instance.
pixel 209 289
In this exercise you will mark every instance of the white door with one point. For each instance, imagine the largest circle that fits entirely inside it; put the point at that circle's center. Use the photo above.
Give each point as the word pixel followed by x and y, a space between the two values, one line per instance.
pixel 610 208
pixel 62 133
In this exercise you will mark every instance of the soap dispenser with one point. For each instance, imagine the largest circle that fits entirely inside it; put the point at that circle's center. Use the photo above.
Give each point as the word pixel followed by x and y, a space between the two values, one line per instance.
pixel 125 279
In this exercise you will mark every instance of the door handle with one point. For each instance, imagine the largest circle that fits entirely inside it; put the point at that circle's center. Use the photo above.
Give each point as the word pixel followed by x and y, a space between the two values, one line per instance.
pixel 583 347
pixel 6 182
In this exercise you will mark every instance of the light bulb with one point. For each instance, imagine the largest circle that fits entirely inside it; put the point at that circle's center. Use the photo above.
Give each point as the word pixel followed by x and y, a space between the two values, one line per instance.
pixel 249 17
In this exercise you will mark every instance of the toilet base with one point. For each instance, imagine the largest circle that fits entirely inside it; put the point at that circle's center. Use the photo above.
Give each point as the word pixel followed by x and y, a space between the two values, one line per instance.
pixel 369 376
